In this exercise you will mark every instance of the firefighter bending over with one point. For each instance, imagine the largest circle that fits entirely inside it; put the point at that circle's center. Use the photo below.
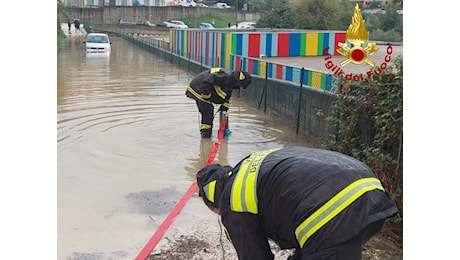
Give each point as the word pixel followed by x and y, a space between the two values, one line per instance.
pixel 215 86
pixel 319 203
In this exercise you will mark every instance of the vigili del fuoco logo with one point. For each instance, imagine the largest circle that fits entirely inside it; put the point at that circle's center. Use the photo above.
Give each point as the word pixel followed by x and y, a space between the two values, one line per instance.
pixel 357 50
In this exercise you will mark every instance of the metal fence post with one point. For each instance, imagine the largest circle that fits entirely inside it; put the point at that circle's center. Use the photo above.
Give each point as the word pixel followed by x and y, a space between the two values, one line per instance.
pixel 300 100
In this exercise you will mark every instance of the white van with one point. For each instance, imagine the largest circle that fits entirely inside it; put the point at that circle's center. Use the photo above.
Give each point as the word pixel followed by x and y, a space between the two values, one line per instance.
pixel 97 43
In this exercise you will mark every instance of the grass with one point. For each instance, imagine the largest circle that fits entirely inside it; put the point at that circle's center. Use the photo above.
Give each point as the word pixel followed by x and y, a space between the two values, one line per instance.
pixel 220 21
pixel 60 36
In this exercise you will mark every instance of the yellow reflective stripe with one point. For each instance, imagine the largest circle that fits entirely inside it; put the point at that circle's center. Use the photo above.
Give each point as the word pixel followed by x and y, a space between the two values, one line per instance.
pixel 209 190
pixel 244 189
pixel 214 70
pixel 226 104
pixel 227 234
pixel 236 201
pixel 334 206
pixel 204 126
pixel 220 92
pixel 242 77
pixel 199 96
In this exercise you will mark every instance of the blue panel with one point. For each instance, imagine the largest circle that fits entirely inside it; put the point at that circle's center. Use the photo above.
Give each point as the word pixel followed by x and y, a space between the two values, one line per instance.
pixel 274 52
pixel 255 67
pixel 305 77
pixel 331 44
pixel 296 75
pixel 288 75
pixel 268 45
pixel 326 42
pixel 263 41
pixel 239 44
pixel 294 44
pixel 329 82
pixel 245 44
pixel 270 70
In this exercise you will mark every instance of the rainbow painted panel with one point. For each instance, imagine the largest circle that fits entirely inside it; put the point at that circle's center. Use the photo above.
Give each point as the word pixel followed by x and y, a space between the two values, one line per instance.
pixel 294 44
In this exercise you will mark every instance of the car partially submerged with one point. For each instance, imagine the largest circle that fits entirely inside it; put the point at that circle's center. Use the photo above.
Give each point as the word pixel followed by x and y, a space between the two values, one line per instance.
pixel 97 43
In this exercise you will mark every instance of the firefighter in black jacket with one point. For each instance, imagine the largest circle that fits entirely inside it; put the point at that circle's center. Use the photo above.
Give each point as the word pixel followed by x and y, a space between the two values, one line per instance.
pixel 321 204
pixel 215 86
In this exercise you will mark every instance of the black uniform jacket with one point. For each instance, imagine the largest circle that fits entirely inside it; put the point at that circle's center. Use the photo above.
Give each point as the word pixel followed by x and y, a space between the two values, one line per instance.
pixel 293 183
pixel 214 85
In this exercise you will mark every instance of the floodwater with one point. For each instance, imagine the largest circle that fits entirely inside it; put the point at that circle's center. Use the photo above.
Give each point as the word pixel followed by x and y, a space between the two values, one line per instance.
pixel 128 147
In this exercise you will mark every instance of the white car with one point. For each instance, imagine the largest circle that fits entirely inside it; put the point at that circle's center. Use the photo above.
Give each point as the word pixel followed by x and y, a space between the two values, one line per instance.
pixel 221 6
pixel 179 24
pixel 97 43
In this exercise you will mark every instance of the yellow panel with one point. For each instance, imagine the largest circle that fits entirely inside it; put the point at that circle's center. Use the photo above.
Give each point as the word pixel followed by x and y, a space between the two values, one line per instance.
pixel 312 44
pixel 316 79
pixel 263 68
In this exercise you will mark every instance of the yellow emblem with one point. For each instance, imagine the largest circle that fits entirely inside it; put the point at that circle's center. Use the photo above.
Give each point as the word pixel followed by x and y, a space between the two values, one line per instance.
pixel 357 35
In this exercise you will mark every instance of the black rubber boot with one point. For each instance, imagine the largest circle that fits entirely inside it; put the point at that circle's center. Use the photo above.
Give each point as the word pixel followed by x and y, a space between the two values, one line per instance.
pixel 206 133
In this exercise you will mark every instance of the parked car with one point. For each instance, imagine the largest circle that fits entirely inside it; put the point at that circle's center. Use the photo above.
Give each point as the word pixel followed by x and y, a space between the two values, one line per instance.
pixel 179 24
pixel 206 26
pixel 249 25
pixel 202 5
pixel 187 3
pixel 143 22
pixel 126 22
pixel 97 43
pixel 221 6
pixel 166 24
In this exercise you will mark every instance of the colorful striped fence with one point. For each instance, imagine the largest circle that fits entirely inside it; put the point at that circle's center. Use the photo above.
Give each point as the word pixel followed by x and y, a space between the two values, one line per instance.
pixel 235 50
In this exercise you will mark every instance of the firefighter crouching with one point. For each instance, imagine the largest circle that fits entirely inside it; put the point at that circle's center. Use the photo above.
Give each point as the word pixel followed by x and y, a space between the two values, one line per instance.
pixel 215 86
pixel 319 203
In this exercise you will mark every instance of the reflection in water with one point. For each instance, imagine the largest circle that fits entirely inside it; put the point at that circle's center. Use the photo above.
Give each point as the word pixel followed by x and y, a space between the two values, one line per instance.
pixel 128 148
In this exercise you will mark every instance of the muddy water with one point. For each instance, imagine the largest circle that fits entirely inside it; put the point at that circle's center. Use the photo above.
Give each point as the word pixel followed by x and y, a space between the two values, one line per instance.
pixel 128 147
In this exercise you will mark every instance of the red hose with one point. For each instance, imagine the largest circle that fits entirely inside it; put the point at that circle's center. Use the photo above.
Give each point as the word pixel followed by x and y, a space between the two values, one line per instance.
pixel 173 214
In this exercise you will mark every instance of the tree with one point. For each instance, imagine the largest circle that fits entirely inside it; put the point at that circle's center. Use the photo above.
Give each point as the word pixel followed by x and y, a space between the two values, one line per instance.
pixel 391 19
pixel 281 16
pixel 317 14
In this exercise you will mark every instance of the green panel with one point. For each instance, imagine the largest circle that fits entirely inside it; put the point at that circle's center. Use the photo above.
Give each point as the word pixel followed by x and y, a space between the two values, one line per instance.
pixel 303 44
pixel 320 43
pixel 234 43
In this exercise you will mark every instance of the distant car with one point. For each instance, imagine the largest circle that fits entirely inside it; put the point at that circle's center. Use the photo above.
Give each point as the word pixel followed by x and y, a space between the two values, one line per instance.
pixel 179 24
pixel 187 3
pixel 166 24
pixel 97 43
pixel 126 22
pixel 247 26
pixel 206 26
pixel 146 23
pixel 202 5
pixel 221 6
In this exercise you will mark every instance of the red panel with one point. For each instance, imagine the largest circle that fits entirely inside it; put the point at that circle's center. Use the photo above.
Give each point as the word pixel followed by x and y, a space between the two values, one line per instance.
pixel 283 44
pixel 196 47
pixel 339 37
pixel 254 45
pixel 250 64
pixel 279 71
pixel 238 63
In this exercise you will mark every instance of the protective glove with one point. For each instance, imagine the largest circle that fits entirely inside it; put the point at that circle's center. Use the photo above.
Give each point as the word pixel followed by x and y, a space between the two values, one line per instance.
pixel 222 109
pixel 227 132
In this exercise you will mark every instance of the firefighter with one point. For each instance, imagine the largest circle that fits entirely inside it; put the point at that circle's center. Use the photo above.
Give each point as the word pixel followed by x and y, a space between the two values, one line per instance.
pixel 318 203
pixel 215 86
